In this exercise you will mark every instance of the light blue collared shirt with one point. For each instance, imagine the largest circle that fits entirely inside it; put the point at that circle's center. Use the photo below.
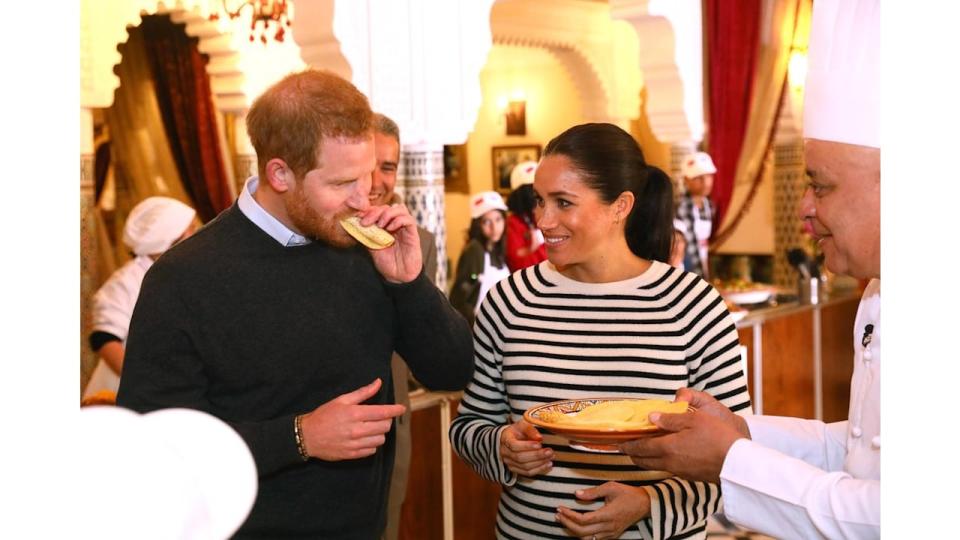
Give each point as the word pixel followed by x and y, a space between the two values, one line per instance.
pixel 261 218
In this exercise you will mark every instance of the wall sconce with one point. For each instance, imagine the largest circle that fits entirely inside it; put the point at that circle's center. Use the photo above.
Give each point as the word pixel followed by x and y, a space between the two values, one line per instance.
pixel 516 118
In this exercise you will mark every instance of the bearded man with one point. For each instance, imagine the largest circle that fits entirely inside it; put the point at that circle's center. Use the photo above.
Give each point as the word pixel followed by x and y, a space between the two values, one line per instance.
pixel 275 320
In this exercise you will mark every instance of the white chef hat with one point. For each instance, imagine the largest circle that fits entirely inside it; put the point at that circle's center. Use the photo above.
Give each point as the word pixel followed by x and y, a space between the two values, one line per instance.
pixel 697 164
pixel 485 201
pixel 522 174
pixel 842 92
pixel 172 473
pixel 154 224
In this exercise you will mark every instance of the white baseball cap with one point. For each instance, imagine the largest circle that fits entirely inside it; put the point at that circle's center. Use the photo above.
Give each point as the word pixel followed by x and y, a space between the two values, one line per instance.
pixel 522 174
pixel 842 92
pixel 485 201
pixel 697 164
pixel 154 224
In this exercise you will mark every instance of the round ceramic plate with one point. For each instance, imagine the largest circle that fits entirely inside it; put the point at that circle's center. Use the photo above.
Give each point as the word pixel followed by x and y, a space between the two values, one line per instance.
pixel 585 437
pixel 753 296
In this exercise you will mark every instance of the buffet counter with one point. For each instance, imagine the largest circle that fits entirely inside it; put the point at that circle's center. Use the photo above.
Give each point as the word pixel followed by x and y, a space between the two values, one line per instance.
pixel 799 357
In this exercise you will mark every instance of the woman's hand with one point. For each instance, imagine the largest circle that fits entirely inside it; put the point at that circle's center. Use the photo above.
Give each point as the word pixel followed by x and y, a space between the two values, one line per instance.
pixel 521 451
pixel 625 506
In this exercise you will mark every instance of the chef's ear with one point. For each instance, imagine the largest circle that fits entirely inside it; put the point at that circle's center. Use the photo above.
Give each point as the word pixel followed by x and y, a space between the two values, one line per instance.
pixel 279 175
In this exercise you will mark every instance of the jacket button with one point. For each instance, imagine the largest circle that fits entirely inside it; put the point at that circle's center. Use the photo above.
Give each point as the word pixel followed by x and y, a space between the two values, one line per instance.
pixel 856 432
pixel 875 442
pixel 867 355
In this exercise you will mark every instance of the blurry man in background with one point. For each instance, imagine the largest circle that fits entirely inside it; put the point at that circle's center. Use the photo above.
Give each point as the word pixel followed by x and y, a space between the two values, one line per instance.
pixel 790 477
pixel 386 138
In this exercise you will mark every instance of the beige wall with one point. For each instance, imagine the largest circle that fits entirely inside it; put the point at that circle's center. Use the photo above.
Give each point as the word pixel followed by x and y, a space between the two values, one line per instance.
pixel 553 105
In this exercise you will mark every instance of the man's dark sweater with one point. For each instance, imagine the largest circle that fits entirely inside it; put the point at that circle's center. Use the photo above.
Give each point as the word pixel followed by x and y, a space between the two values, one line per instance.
pixel 232 323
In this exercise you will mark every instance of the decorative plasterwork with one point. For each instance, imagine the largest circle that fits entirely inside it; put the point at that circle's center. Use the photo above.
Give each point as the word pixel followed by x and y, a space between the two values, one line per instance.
pixel 600 54
pixel 239 70
pixel 671 60
pixel 418 61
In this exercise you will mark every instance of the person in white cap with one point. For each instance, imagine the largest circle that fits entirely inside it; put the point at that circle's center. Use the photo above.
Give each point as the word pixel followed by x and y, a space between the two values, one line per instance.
pixel 155 224
pixel 525 245
pixel 482 263
pixel 791 477
pixel 695 211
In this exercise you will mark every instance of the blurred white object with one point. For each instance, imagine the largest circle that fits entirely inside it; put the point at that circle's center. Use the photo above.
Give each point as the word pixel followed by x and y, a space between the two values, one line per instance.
pixel 173 473
pixel 155 223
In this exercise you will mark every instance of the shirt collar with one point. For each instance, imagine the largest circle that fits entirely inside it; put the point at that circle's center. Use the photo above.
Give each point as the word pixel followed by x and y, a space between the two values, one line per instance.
pixel 261 218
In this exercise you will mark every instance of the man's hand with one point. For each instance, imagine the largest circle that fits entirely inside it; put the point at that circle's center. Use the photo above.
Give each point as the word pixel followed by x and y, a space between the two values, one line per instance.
pixel 696 443
pixel 401 262
pixel 344 429
pixel 521 451
pixel 625 505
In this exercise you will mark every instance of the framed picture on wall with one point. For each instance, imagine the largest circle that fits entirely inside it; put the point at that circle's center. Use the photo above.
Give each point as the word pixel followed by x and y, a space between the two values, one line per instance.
pixel 504 158
pixel 455 168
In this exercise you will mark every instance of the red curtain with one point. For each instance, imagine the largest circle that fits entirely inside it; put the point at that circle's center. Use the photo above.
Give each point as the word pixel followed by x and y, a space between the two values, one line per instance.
pixel 186 105
pixel 732 35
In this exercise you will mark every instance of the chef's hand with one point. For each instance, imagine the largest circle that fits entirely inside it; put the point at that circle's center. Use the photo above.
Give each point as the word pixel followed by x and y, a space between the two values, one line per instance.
pixel 695 444
pixel 343 428
pixel 521 451
pixel 625 506
pixel 401 262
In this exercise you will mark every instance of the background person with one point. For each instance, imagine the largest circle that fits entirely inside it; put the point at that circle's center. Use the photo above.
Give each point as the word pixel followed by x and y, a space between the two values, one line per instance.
pixel 482 263
pixel 386 138
pixel 604 316
pixel 524 240
pixel 152 226
pixel 275 320
pixel 791 477
pixel 695 211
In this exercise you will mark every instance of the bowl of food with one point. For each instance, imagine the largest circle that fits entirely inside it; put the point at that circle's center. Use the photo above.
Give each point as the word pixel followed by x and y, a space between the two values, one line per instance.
pixel 599 423
pixel 743 292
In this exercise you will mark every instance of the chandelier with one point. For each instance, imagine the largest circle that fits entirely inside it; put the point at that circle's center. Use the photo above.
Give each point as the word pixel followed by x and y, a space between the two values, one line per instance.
pixel 264 12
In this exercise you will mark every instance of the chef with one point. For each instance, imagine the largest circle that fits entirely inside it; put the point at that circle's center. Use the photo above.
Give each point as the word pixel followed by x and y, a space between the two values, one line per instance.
pixel 155 224
pixel 790 477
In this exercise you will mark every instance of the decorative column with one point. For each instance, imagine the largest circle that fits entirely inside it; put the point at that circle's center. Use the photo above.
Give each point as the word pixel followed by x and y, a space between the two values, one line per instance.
pixel 89 277
pixel 679 151
pixel 245 157
pixel 420 184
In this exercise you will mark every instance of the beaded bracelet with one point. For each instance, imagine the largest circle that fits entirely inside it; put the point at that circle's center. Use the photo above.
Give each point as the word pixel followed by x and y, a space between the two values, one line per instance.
pixel 298 435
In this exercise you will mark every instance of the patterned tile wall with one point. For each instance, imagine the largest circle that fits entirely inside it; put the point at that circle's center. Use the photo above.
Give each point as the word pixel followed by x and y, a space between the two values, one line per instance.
pixel 420 184
pixel 789 184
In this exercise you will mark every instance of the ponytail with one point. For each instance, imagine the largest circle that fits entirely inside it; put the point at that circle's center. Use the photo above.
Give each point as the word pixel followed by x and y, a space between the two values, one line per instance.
pixel 649 227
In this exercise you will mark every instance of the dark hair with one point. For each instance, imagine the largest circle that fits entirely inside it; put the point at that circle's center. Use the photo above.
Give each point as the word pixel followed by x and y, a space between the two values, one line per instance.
pixel 611 162
pixel 522 201
pixel 498 254
pixel 384 125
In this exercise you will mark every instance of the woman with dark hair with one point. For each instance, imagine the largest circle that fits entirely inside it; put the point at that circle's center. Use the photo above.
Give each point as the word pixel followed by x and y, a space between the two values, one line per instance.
pixel 605 315
pixel 524 240
pixel 481 264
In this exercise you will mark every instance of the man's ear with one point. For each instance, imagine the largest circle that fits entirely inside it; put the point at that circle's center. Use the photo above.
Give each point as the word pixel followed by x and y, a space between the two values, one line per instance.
pixel 279 176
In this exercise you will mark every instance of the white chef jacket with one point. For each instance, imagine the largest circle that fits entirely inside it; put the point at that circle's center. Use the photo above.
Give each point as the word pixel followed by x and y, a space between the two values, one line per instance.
pixel 804 479
pixel 112 309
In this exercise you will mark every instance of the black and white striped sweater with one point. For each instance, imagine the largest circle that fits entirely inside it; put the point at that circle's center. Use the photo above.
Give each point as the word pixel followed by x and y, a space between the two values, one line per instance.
pixel 541 337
